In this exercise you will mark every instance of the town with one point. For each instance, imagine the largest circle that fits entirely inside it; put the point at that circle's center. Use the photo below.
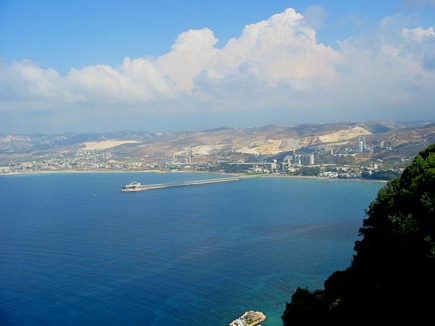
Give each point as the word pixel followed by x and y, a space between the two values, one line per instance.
pixel 345 163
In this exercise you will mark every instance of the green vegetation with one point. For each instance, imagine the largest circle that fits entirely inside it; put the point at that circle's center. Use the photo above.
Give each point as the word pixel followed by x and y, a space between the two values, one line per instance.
pixel 228 168
pixel 308 171
pixel 306 308
pixel 380 175
pixel 392 274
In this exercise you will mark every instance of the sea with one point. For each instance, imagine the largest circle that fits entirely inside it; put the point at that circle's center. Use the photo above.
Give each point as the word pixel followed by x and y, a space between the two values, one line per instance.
pixel 75 250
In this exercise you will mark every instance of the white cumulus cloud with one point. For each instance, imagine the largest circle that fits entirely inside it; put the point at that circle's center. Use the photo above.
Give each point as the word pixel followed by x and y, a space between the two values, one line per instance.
pixel 419 34
pixel 284 46
pixel 275 64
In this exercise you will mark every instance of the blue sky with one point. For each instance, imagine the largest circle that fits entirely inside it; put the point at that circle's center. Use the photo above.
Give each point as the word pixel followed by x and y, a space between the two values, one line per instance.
pixel 93 66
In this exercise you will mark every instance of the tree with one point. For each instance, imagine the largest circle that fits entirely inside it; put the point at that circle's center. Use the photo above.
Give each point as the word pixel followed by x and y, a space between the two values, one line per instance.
pixel 304 309
pixel 391 276
pixel 309 171
pixel 381 175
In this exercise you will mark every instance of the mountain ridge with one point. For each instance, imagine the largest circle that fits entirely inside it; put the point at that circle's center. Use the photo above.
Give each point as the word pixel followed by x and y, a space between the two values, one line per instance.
pixel 266 140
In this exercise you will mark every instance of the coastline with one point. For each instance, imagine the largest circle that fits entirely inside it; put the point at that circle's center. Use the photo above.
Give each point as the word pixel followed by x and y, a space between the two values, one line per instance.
pixel 270 175
pixel 323 178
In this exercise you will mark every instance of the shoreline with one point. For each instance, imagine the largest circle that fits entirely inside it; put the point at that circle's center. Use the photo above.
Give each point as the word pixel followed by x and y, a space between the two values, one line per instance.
pixel 271 175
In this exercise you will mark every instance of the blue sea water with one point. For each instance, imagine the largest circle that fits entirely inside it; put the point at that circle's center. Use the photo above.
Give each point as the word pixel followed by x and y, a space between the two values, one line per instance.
pixel 75 250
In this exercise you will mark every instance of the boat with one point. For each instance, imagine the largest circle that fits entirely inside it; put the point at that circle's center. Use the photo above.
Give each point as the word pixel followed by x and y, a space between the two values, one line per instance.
pixel 250 318
pixel 134 186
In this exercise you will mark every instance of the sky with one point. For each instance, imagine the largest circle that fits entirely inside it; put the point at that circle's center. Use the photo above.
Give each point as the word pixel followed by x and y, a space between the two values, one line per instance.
pixel 168 65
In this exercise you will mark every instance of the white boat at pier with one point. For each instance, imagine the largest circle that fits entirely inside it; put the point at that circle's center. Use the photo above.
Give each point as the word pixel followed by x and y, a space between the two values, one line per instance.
pixel 134 186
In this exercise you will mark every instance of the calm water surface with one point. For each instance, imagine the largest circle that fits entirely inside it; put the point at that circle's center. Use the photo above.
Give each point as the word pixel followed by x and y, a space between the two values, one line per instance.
pixel 74 250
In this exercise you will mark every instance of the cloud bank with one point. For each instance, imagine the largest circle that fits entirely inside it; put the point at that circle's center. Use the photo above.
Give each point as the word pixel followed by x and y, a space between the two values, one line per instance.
pixel 274 72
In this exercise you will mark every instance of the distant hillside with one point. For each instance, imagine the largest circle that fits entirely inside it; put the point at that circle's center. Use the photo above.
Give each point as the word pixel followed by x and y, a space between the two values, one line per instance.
pixel 384 138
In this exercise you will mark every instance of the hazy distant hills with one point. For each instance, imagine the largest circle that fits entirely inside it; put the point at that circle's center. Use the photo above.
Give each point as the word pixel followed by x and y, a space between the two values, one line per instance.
pixel 384 138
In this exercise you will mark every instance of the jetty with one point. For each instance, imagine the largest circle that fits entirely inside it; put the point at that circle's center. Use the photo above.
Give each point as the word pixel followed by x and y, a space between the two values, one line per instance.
pixel 136 186
pixel 249 318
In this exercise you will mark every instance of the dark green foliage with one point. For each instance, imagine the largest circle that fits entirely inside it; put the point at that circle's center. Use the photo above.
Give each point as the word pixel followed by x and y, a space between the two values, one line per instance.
pixel 309 171
pixel 305 309
pixel 380 175
pixel 229 168
pixel 392 275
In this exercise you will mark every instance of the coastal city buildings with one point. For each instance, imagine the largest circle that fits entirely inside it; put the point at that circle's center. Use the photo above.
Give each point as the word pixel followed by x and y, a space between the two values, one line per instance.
pixel 325 165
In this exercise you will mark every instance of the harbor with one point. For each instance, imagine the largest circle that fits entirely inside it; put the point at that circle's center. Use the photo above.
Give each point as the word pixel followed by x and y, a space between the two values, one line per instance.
pixel 137 186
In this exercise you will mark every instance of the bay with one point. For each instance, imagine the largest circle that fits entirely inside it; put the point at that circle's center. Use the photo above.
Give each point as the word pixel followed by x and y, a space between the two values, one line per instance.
pixel 75 250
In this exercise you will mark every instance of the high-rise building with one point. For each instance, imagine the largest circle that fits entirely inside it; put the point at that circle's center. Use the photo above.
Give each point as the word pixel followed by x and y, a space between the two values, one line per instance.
pixel 361 144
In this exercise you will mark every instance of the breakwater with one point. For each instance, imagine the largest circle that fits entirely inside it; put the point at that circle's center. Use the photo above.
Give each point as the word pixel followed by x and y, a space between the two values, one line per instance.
pixel 136 186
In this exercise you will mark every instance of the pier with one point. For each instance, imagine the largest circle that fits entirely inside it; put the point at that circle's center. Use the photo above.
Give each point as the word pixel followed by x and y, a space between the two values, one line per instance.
pixel 136 186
